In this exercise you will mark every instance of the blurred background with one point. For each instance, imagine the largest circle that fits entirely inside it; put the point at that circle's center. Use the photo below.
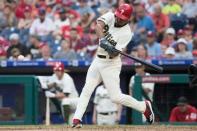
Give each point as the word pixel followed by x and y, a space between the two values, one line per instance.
pixel 36 34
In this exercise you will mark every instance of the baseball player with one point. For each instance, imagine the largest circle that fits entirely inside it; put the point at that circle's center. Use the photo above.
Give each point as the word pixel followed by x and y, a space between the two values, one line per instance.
pixel 61 86
pixel 148 88
pixel 105 111
pixel 114 32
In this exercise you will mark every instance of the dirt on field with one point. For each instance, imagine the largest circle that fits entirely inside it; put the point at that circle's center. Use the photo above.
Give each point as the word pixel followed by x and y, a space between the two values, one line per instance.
pixel 100 128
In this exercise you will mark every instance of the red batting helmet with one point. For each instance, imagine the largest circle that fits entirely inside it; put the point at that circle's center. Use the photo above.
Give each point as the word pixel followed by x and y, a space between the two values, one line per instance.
pixel 58 67
pixel 124 11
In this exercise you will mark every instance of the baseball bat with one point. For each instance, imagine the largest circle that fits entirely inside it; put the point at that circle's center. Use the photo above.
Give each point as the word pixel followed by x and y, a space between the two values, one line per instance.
pixel 47 111
pixel 153 66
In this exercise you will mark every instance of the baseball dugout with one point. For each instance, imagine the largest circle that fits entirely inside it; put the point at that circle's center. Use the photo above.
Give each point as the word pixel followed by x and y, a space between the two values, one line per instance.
pixel 167 90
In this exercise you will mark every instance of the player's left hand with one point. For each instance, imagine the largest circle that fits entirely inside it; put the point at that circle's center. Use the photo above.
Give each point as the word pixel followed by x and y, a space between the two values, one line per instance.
pixel 104 43
pixel 107 46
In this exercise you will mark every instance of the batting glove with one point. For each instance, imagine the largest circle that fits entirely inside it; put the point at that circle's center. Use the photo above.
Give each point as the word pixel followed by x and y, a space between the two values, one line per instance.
pixel 107 46
pixel 103 43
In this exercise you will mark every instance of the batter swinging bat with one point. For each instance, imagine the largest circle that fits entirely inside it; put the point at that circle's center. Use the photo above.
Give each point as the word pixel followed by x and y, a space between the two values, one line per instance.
pixel 153 66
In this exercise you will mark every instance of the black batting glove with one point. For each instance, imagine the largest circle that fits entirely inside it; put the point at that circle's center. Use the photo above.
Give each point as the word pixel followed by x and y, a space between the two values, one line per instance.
pixel 104 43
pixel 107 46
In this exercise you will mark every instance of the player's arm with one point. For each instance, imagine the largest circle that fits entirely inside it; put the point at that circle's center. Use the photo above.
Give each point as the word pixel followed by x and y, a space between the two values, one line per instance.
pixel 173 116
pixel 100 28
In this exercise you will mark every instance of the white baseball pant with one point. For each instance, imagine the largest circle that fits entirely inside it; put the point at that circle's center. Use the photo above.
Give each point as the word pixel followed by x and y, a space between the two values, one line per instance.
pixel 108 71
pixel 106 119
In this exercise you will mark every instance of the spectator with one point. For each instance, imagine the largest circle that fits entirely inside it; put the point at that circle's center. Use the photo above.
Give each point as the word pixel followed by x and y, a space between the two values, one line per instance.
pixel 84 10
pixel 188 29
pixel 181 50
pixel 26 21
pixel 4 44
pixel 74 38
pixel 149 5
pixel 81 47
pixel 9 17
pixel 45 51
pixel 171 7
pixel 14 43
pixel 142 52
pixel 61 21
pixel 92 46
pixel 169 37
pixel 72 14
pixel 34 47
pixel 180 33
pixel 85 23
pixel 190 8
pixel 148 88
pixel 183 112
pixel 21 7
pixel 2 17
pixel 153 47
pixel 24 24
pixel 15 53
pixel 194 43
pixel 105 111
pixel 62 88
pixel 66 52
pixel 169 53
pixel 106 4
pixel 42 26
pixel 144 22
pixel 160 20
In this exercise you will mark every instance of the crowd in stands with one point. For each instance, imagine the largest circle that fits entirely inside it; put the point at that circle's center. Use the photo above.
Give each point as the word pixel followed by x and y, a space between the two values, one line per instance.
pixel 64 29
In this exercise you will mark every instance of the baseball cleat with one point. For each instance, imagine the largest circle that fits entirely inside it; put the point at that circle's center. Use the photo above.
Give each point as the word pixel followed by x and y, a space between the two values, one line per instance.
pixel 76 123
pixel 149 114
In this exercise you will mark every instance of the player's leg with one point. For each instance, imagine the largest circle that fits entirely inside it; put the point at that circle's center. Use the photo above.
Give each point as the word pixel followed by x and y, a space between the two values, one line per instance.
pixel 70 101
pixel 66 111
pixel 92 80
pixel 111 80
pixel 69 106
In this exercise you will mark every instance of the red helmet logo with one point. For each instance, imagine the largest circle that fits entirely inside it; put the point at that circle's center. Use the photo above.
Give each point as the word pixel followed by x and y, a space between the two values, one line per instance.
pixel 59 66
pixel 124 11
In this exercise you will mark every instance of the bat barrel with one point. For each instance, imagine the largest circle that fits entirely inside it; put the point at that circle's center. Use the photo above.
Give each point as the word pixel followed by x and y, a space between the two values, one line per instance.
pixel 153 66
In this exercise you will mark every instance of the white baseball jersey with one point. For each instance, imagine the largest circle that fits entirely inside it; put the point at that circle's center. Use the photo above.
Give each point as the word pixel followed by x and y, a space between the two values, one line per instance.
pixel 42 29
pixel 103 101
pixel 117 36
pixel 66 84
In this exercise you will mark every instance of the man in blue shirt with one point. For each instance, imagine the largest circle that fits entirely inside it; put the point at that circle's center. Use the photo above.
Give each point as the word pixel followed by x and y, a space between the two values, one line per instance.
pixel 153 47
pixel 145 23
